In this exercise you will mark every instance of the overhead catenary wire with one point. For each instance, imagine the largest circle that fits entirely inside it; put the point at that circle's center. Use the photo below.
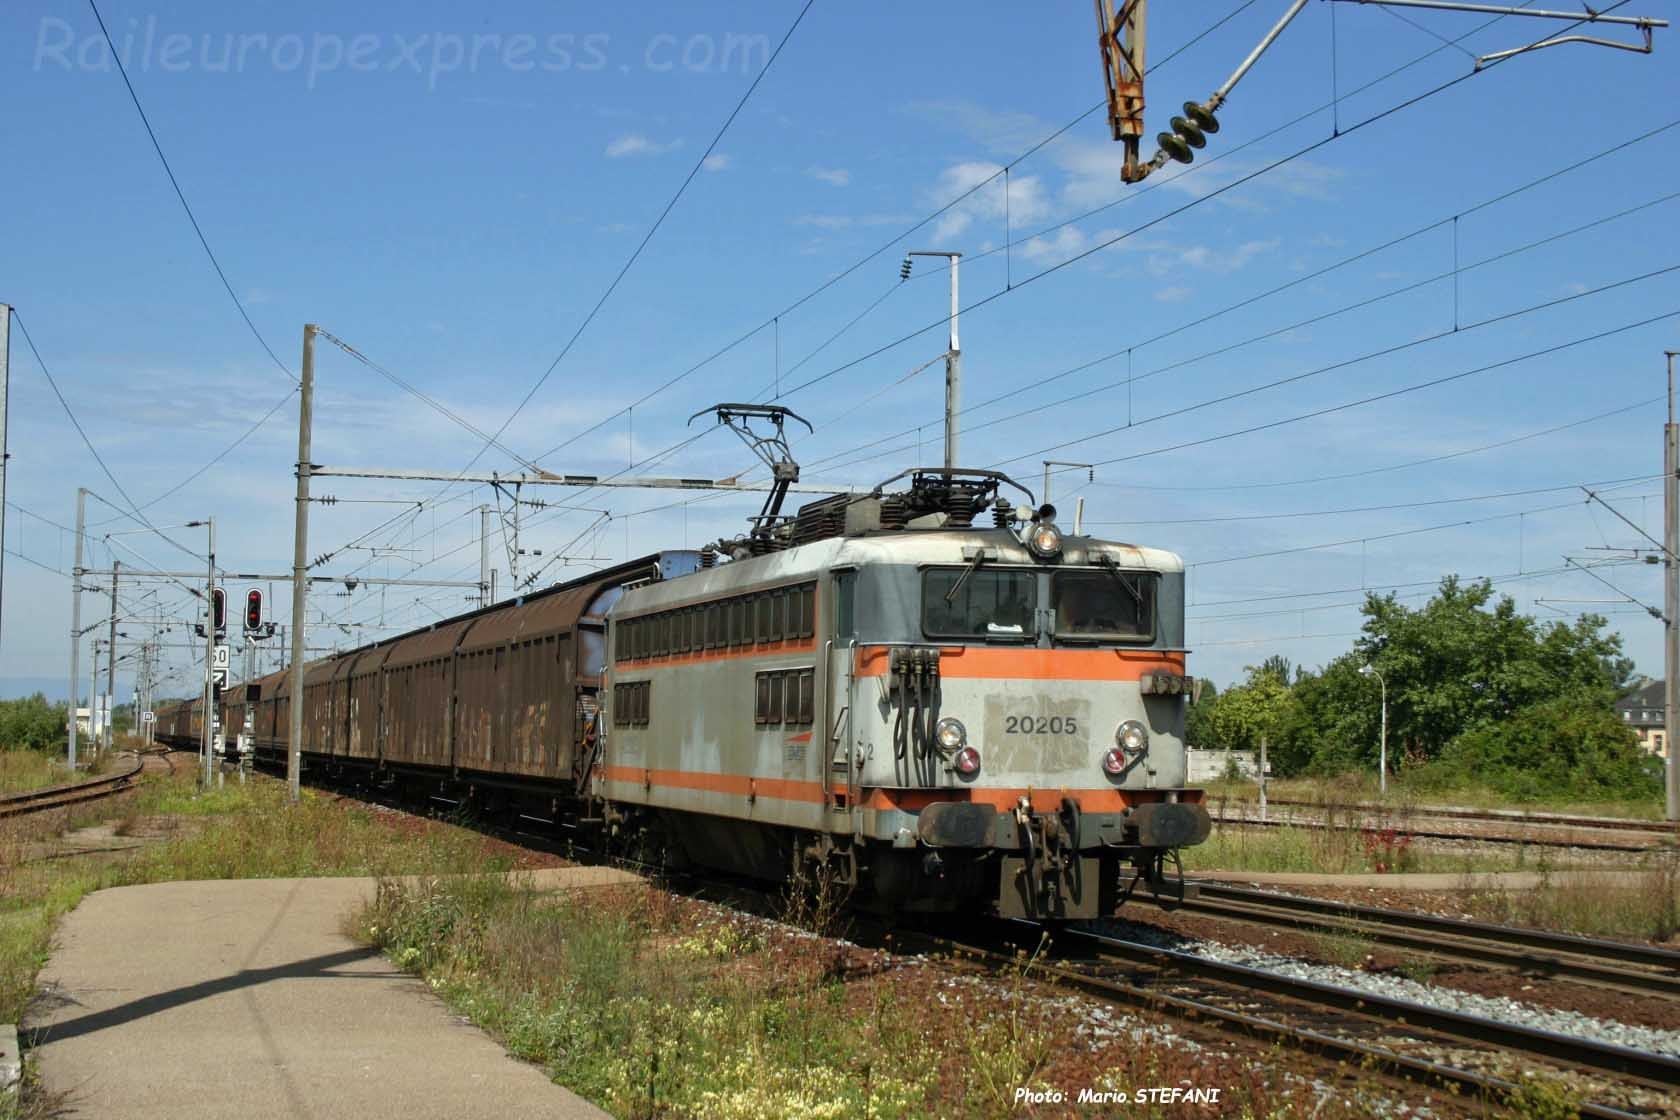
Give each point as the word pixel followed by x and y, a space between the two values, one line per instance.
pixel 116 57
pixel 1368 537
pixel 1407 465
pixel 1261 337
pixel 646 238
pixel 1383 508
pixel 775 318
pixel 771 321
pixel 1122 236
pixel 1382 352
pixel 1391 394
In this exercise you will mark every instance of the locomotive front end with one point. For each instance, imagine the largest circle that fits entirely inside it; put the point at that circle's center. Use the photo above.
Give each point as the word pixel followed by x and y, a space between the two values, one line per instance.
pixel 1017 700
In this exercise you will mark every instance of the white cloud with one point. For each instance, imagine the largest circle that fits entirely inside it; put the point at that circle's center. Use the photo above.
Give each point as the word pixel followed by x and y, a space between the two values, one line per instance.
pixel 635 144
pixel 1176 293
pixel 1065 243
pixel 833 176
pixel 1028 201
pixel 717 161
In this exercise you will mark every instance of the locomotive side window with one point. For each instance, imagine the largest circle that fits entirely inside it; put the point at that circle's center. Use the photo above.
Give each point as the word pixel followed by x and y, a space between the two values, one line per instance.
pixel 784 696
pixel 994 603
pixel 807 610
pixel 631 703
pixel 761 618
pixel 1109 604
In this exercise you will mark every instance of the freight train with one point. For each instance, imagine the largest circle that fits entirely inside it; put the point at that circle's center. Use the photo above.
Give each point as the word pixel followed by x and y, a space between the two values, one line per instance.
pixel 929 693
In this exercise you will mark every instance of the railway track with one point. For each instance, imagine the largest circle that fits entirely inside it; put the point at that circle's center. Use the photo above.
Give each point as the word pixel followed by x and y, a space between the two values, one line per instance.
pixel 1505 816
pixel 1648 1070
pixel 1588 843
pixel 60 797
pixel 1642 970
pixel 1210 994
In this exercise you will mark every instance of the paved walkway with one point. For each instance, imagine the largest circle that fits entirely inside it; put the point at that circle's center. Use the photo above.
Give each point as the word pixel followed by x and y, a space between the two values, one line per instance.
pixel 246 999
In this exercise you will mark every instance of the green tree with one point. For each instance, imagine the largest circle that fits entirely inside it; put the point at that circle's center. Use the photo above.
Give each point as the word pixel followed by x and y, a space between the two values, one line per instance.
pixel 1198 717
pixel 1563 745
pixel 1259 706
pixel 1465 659
pixel 31 723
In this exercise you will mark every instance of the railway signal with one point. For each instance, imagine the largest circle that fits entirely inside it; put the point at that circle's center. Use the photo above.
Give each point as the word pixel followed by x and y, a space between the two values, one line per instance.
pixel 218 609
pixel 253 610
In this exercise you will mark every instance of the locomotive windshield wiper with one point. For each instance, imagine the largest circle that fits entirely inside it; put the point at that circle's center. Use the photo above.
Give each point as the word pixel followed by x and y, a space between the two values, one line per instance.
pixel 973 566
pixel 1126 585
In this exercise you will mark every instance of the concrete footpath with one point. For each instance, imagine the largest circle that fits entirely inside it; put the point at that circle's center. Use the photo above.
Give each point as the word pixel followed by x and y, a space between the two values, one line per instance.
pixel 246 999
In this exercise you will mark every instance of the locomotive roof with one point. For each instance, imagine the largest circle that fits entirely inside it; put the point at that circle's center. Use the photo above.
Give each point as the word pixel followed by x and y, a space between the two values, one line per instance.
pixel 901 546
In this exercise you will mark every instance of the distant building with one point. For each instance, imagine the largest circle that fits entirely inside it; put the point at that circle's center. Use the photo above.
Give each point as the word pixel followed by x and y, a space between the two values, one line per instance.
pixel 1642 710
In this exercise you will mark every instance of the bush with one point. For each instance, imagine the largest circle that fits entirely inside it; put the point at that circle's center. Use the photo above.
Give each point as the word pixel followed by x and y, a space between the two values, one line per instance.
pixel 31 723
pixel 1569 746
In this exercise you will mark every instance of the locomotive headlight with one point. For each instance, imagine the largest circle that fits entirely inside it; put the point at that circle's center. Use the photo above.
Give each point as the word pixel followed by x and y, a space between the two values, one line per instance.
pixel 1114 761
pixel 1045 540
pixel 951 735
pixel 1131 737
pixel 967 761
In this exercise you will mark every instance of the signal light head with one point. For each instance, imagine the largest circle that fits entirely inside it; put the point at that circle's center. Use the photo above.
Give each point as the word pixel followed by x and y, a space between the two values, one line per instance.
pixel 253 609
pixel 218 608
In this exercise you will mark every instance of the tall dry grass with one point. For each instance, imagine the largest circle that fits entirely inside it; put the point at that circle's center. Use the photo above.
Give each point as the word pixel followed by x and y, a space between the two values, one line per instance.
pixel 1641 905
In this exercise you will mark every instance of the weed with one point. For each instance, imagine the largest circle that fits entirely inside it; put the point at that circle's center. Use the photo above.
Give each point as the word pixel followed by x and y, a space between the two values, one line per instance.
pixel 1543 1098
pixel 1643 904
pixel 1419 969
pixel 1349 950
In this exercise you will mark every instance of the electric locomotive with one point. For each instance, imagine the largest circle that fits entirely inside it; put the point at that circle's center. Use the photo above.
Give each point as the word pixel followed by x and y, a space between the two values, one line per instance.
pixel 948 715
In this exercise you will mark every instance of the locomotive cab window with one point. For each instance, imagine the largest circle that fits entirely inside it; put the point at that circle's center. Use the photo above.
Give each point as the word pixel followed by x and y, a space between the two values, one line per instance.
pixel 1114 605
pixel 993 604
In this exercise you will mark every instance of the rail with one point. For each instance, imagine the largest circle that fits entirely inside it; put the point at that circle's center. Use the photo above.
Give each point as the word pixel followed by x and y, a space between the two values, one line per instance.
pixel 1588 844
pixel 1505 816
pixel 1560 956
pixel 1347 1052
pixel 59 797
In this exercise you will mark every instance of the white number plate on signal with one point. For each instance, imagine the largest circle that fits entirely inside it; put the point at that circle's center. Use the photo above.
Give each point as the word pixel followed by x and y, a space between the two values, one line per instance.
pixel 1036 733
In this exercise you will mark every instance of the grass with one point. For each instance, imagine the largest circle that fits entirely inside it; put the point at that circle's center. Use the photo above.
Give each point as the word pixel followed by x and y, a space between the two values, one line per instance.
pixel 653 1005
pixel 1360 788
pixel 1351 843
pixel 1645 909
pixel 22 770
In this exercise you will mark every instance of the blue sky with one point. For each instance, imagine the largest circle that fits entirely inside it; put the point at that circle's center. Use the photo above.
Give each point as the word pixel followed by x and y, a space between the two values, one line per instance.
pixel 456 219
